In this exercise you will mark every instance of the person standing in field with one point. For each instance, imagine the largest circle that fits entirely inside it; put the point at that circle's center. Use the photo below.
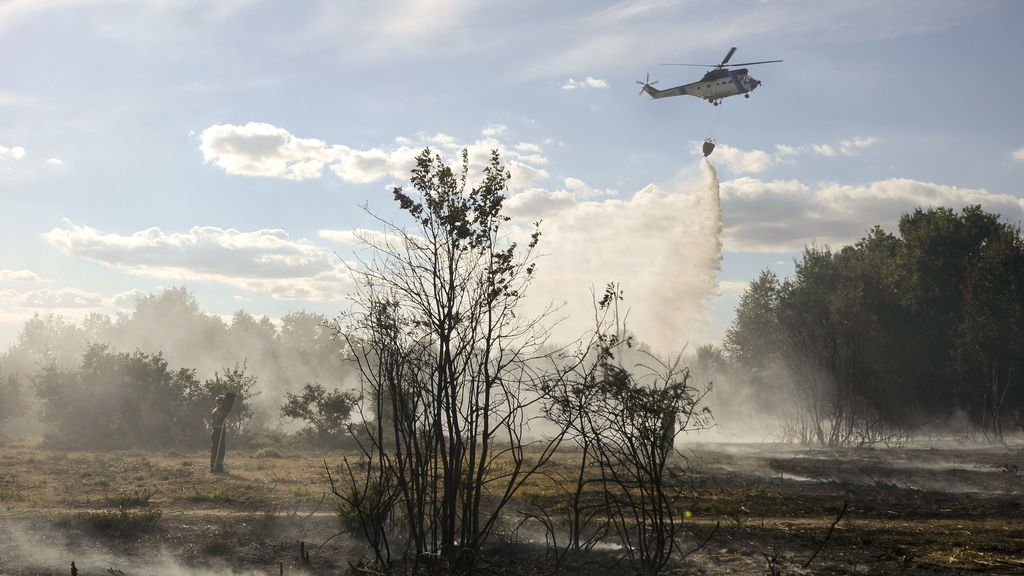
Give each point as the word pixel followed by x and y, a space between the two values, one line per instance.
pixel 218 446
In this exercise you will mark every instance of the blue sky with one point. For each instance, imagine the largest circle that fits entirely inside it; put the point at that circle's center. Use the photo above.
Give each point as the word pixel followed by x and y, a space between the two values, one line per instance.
pixel 229 145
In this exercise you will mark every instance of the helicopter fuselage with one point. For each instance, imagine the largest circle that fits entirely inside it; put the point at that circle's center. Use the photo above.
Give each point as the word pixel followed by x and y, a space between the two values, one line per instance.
pixel 713 87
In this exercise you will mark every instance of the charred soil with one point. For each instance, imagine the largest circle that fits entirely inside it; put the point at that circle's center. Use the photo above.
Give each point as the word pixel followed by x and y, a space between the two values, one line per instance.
pixel 757 509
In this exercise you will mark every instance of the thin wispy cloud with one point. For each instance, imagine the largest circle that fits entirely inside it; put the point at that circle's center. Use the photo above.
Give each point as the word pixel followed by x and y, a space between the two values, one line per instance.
pixel 15 11
pixel 603 36
pixel 9 100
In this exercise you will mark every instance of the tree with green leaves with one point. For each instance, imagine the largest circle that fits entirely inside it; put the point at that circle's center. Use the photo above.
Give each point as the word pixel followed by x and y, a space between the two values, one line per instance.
pixel 894 331
pixel 752 341
pixel 326 414
pixel 988 350
pixel 114 400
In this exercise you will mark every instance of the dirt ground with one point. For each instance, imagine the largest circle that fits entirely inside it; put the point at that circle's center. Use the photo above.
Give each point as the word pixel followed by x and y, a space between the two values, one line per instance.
pixel 767 508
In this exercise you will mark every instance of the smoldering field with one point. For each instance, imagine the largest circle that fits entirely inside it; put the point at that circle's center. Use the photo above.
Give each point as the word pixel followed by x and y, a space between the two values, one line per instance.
pixel 925 510
pixel 874 478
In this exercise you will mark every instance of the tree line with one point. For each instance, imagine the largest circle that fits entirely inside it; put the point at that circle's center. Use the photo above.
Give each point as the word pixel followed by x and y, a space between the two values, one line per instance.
pixel 148 378
pixel 881 339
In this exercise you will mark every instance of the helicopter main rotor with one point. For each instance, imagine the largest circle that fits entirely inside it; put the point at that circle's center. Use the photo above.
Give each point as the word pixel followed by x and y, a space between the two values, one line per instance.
pixel 724 63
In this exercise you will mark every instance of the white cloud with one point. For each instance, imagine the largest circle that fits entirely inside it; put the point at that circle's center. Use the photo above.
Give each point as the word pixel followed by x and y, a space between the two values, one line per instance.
pixel 68 298
pixel 72 304
pixel 850 147
pixel 854 146
pixel 756 161
pixel 55 162
pixel 733 287
pixel 783 215
pixel 536 203
pixel 441 139
pixel 743 161
pixel 786 150
pixel 266 261
pixel 364 166
pixel 260 149
pixel 14 152
pixel 61 298
pixel 494 131
pixel 823 150
pixel 19 275
pixel 581 189
pixel 1018 154
pixel 588 82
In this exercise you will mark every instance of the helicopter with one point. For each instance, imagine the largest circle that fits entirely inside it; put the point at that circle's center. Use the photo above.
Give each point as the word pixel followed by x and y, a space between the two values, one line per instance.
pixel 718 83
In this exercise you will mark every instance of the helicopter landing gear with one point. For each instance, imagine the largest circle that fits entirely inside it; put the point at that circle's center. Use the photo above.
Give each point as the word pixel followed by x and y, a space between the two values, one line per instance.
pixel 715 102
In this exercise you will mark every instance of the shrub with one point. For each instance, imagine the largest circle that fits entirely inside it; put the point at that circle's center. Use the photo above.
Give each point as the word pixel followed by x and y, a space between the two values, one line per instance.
pixel 269 453
pixel 325 413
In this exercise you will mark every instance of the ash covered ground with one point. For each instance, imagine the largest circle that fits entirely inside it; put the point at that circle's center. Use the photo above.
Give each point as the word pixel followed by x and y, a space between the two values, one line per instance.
pixel 756 508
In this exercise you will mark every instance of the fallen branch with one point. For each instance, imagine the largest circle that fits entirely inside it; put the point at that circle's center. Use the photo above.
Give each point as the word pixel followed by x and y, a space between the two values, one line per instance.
pixel 705 542
pixel 828 535
pixel 363 570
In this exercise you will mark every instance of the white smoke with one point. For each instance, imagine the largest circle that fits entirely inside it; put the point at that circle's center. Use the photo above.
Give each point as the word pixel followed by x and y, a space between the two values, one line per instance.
pixel 662 246
pixel 40 550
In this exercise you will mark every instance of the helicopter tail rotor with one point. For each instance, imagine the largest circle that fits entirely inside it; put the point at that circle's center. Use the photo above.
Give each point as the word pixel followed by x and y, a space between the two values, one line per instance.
pixel 646 83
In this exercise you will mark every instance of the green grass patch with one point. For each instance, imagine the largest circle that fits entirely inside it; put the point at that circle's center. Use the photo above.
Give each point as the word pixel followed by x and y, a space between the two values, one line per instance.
pixel 121 522
pixel 134 498
pixel 8 493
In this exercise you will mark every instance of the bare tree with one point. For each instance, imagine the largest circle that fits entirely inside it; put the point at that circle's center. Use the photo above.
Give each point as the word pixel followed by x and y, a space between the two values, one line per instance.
pixel 625 407
pixel 446 357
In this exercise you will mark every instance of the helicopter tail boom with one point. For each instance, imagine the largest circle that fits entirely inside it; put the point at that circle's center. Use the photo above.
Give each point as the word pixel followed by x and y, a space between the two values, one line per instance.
pixel 655 93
